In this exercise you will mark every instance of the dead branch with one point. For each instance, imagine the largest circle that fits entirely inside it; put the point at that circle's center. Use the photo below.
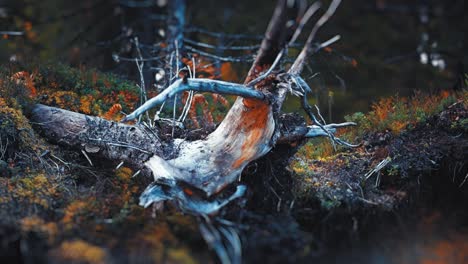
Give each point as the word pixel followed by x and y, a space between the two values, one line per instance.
pixel 206 166
pixel 308 48
pixel 199 85
pixel 96 136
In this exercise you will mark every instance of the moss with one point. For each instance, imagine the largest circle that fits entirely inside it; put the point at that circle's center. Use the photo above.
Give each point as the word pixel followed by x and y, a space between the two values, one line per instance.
pixel 97 91
pixel 462 123
pixel 78 89
pixel 33 189
pixel 180 255
pixel 124 174
pixel 46 230
pixel 398 114
pixel 15 125
pixel 73 213
pixel 422 136
pixel 79 251
pixel 60 200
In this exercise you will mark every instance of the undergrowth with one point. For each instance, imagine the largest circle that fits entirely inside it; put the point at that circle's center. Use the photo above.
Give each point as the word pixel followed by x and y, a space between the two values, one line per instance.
pixel 392 114
pixel 78 212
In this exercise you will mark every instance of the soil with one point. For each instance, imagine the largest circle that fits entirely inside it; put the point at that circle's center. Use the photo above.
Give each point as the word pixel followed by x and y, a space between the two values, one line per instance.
pixel 328 213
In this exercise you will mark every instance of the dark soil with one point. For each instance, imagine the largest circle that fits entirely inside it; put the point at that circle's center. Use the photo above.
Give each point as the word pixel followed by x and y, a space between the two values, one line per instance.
pixel 329 214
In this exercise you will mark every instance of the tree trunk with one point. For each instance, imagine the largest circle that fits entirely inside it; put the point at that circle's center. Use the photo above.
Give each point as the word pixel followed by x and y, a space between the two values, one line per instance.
pixel 115 141
pixel 248 132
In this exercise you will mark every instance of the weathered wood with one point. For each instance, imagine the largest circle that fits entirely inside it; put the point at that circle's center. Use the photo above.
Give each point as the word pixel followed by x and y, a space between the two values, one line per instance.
pixel 249 130
pixel 119 142
pixel 199 85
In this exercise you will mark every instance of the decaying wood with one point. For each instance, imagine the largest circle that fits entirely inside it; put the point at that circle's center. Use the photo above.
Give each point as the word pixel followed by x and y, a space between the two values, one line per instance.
pixel 99 137
pixel 249 130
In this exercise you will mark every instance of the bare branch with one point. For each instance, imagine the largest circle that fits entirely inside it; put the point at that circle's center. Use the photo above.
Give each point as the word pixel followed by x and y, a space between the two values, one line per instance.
pixel 298 65
pixel 272 67
pixel 329 42
pixel 317 131
pixel 200 85
pixel 307 15
pixel 300 132
pixel 334 140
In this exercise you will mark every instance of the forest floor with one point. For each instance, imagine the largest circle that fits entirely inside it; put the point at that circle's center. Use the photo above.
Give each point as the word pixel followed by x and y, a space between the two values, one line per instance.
pixel 408 177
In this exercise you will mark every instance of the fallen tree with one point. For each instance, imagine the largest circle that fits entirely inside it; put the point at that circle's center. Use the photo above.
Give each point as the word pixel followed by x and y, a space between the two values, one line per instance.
pixel 251 128
pixel 334 198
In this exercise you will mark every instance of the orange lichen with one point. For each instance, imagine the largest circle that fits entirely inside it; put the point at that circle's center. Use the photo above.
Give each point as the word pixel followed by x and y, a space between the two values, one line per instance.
pixel 221 99
pixel 64 99
pixel 203 68
pixel 188 191
pixel 398 113
pixel 72 212
pixel 383 108
pixel 79 251
pixel 398 126
pixel 23 77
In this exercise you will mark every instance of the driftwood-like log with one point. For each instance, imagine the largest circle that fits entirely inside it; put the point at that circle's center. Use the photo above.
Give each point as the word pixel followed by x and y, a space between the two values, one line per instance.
pixel 249 131
pixel 115 141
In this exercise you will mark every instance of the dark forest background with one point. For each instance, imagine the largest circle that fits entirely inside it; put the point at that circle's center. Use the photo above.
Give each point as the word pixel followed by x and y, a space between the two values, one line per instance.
pixel 386 47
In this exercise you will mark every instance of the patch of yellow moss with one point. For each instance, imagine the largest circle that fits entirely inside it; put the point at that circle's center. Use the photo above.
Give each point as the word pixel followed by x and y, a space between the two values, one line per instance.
pixel 395 114
pixel 124 174
pixel 72 211
pixel 11 112
pixel 79 251
pixel 86 102
pixel 180 255
pixel 34 189
pixel 64 99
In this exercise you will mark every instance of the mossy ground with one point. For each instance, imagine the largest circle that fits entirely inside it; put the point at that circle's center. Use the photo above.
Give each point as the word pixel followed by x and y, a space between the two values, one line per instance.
pixel 55 207
pixel 414 135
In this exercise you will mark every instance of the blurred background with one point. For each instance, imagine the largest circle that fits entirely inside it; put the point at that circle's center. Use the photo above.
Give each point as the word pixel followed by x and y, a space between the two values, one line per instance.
pixel 386 48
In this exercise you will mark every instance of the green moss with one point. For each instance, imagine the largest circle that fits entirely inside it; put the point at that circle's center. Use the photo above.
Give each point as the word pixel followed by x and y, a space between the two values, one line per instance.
pixel 93 92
